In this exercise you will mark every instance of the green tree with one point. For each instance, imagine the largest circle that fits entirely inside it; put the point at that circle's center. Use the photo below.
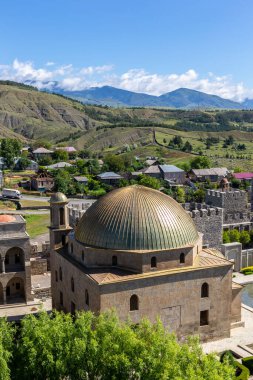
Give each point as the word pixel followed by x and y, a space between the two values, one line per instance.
pixel 234 235
pixel 6 348
pixel 60 155
pixel 102 347
pixel 10 148
pixel 187 147
pixel 152 182
pixel 180 195
pixel 23 163
pixel 62 181
pixel 201 162
pixel 199 195
pixel 226 238
pixel 244 238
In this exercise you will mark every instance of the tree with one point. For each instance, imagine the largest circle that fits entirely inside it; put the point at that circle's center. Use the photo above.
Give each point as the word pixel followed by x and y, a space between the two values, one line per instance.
pixel 187 147
pixel 226 238
pixel 201 162
pixel 6 348
pixel 57 347
pixel 152 182
pixel 10 148
pixel 62 181
pixel 199 195
pixel 234 236
pixel 60 155
pixel 244 238
pixel 23 162
pixel 180 195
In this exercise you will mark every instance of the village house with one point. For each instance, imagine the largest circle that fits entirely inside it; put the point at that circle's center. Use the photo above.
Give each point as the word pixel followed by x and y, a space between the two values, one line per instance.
pixel 170 173
pixel 109 178
pixel 212 174
pixel 81 179
pixel 42 153
pixel 43 181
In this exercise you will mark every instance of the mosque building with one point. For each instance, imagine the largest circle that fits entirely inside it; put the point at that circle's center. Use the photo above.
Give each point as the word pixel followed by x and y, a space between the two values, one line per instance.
pixel 138 251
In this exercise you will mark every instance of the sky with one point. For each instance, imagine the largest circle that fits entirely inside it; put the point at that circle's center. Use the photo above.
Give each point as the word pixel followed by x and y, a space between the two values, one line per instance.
pixel 150 46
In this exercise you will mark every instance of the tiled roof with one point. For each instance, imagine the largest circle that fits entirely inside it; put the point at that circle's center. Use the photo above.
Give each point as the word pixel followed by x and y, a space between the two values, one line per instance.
pixel 211 171
pixel 42 150
pixel 246 175
pixel 171 169
pixel 109 175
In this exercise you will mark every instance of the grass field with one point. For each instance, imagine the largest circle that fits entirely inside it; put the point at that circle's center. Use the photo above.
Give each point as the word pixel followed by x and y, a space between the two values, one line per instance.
pixel 33 203
pixel 7 205
pixel 37 224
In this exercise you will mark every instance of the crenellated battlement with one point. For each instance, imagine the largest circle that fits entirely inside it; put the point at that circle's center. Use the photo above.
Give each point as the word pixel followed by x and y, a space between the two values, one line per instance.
pixel 76 212
pixel 235 194
pixel 202 213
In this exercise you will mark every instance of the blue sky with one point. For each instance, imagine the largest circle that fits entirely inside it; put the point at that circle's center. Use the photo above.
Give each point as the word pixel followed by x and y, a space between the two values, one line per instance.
pixel 151 46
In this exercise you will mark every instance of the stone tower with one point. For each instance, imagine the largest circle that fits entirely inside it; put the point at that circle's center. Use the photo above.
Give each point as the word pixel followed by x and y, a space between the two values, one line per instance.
pixel 59 221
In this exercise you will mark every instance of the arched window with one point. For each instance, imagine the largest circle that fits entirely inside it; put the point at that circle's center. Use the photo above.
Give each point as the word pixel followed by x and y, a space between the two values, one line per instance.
pixel 134 302
pixel 205 290
pixel 60 273
pixel 72 285
pixel 114 260
pixel 62 221
pixel 87 299
pixel 56 276
pixel 153 262
pixel 182 258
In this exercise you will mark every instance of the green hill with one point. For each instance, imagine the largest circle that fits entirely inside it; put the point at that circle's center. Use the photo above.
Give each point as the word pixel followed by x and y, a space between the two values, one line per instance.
pixel 29 115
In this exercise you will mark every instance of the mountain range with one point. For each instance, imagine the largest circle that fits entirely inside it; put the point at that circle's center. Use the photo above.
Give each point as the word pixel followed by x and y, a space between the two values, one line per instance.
pixel 180 98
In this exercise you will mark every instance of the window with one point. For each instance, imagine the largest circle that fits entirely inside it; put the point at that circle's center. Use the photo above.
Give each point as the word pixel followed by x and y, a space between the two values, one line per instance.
pixel 87 300
pixel 204 317
pixel 72 285
pixel 17 258
pixel 82 255
pixel 62 216
pixel 17 285
pixel 73 307
pixel 61 298
pixel 114 260
pixel 204 290
pixel 134 302
pixel 182 258
pixel 56 276
pixel 60 273
pixel 153 262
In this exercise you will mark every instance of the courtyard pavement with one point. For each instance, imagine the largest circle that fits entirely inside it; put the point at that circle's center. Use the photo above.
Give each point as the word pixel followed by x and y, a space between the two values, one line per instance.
pixel 15 312
pixel 240 337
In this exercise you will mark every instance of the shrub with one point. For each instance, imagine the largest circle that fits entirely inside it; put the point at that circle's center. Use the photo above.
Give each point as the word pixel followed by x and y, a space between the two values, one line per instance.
pixel 248 362
pixel 242 372
pixel 247 270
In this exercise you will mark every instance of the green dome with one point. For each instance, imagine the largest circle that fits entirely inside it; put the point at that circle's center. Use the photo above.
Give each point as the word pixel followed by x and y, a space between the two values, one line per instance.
pixel 58 198
pixel 136 218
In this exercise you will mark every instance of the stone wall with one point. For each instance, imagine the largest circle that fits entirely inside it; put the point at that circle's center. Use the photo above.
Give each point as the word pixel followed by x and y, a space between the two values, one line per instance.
pixel 208 221
pixel 42 293
pixel 38 266
pixel 234 203
pixel 76 212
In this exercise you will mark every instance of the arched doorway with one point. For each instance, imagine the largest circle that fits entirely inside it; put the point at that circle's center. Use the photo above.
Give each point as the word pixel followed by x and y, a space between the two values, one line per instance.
pixel 14 260
pixel 15 290
pixel 1 294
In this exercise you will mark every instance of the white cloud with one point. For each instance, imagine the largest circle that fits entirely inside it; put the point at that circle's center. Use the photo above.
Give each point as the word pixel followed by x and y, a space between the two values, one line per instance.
pixel 138 80
pixel 50 63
